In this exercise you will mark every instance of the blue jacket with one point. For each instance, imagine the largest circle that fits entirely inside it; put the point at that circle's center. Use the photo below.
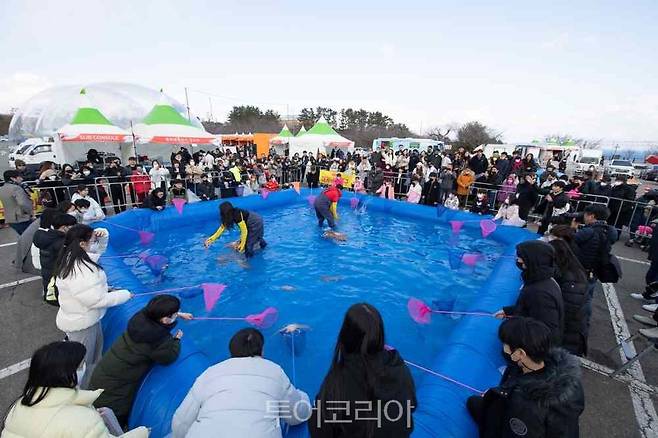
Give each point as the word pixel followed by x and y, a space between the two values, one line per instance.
pixel 590 243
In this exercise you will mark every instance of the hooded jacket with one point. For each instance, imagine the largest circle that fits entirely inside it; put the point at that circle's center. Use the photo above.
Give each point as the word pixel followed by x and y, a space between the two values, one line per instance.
pixel 153 202
pixel 541 404
pixel 122 368
pixel 393 383
pixel 49 242
pixel 540 296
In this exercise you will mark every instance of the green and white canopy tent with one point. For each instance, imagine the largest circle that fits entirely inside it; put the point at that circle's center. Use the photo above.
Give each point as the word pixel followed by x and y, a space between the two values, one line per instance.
pixel 281 141
pixel 301 132
pixel 90 129
pixel 321 137
pixel 165 125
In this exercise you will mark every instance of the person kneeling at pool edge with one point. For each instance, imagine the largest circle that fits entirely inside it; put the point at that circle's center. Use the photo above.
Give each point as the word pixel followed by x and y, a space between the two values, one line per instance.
pixel 326 205
pixel 250 224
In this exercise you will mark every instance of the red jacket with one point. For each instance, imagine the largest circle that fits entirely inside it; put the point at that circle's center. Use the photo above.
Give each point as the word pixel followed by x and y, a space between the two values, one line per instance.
pixel 333 194
pixel 142 183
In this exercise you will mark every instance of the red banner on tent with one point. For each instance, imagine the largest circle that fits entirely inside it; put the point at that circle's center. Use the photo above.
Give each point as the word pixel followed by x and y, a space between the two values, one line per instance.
pixel 184 140
pixel 95 138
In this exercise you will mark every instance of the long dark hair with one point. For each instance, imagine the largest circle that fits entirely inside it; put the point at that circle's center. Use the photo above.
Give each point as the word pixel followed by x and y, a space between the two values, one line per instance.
pixel 226 214
pixel 361 335
pixel 53 366
pixel 565 259
pixel 72 253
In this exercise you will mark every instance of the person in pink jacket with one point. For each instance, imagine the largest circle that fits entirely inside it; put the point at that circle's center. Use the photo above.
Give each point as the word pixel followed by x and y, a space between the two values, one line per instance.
pixel 386 190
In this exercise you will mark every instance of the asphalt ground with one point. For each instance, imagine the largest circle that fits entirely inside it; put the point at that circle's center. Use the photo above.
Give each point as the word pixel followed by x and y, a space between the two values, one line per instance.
pixel 614 408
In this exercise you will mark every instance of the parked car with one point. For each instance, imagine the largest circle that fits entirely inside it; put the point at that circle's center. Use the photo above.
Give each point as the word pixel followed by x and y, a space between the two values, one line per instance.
pixel 33 152
pixel 651 174
pixel 640 169
pixel 620 167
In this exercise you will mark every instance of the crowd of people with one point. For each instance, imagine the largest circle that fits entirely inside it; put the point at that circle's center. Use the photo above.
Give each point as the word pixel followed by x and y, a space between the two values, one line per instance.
pixel 73 388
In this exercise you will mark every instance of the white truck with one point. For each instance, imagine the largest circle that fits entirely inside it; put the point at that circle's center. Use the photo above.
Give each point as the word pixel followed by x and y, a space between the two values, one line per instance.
pixel 580 161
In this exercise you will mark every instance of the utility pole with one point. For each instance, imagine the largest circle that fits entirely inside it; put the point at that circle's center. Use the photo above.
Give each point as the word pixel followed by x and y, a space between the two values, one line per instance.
pixel 187 104
pixel 212 119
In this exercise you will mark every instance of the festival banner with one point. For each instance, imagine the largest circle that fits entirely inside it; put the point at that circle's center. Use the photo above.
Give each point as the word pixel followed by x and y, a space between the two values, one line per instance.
pixel 328 177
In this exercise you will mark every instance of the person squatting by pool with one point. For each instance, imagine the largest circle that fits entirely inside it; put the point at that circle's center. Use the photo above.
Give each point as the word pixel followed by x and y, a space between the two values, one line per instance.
pixel 250 224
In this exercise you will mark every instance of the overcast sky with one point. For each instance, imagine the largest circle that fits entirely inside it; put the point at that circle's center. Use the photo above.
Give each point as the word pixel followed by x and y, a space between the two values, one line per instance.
pixel 588 68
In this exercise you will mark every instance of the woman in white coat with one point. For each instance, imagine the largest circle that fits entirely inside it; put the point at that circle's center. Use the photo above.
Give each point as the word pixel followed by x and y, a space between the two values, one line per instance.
pixel 159 176
pixel 509 212
pixel 244 396
pixel 51 405
pixel 84 295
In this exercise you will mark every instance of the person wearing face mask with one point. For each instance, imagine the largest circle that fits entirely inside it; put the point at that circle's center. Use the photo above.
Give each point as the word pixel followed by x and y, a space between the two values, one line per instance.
pixel 51 405
pixel 527 194
pixel 540 394
pixel 116 176
pixel 540 296
pixel 50 242
pixel 84 294
pixel 147 341
pixel 18 210
pixel 94 212
pixel 556 203
pixel 159 175
pixel 431 190
pixel 478 163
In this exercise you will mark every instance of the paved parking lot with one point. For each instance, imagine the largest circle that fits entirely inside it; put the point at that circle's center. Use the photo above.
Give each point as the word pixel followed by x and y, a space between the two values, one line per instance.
pixel 614 408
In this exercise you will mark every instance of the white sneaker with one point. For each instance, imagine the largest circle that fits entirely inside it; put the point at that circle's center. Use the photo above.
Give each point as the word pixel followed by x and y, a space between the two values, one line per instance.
pixel 650 307
pixel 651 333
pixel 645 320
pixel 641 297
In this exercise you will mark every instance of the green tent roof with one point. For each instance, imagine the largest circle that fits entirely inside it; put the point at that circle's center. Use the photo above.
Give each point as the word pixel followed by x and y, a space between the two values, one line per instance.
pixel 285 132
pixel 322 128
pixel 164 114
pixel 301 132
pixel 87 115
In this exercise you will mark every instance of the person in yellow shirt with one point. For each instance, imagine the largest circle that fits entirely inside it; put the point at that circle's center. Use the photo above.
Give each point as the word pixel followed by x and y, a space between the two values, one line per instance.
pixel 250 224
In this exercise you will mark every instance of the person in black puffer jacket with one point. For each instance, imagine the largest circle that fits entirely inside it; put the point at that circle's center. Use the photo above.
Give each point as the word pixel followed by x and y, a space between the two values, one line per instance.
pixel 541 394
pixel 571 277
pixel 540 297
pixel 50 242
pixel 593 242
pixel 148 340
pixel 527 194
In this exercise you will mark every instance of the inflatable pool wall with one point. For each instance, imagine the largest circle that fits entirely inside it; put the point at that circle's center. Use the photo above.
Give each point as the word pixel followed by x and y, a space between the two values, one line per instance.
pixel 472 353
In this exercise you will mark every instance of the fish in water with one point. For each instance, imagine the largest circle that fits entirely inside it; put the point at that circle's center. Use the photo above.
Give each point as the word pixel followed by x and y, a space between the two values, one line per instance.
pixel 340 237
pixel 287 288
pixel 294 327
pixel 330 278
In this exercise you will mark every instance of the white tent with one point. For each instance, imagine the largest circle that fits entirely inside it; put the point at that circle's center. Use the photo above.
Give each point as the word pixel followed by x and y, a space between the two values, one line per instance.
pixel 164 129
pixel 320 137
pixel 90 129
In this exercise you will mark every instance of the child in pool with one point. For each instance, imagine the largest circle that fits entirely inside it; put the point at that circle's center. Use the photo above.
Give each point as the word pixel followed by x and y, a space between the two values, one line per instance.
pixel 250 224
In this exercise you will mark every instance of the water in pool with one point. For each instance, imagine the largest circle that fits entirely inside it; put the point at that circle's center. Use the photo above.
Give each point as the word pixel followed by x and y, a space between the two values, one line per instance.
pixel 312 281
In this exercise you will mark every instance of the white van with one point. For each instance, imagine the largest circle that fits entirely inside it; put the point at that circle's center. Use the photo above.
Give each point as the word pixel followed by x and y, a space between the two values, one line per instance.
pixel 579 161
pixel 33 151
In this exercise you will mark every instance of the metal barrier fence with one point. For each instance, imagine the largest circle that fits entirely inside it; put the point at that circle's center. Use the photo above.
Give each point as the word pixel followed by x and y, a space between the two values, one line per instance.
pixel 119 194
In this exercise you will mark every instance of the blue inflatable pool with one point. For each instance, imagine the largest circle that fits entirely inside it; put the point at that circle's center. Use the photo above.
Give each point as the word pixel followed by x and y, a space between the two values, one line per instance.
pixel 413 241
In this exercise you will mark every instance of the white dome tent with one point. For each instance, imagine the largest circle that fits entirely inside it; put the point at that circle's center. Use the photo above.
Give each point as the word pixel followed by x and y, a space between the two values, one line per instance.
pixel 90 129
pixel 46 112
pixel 321 137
